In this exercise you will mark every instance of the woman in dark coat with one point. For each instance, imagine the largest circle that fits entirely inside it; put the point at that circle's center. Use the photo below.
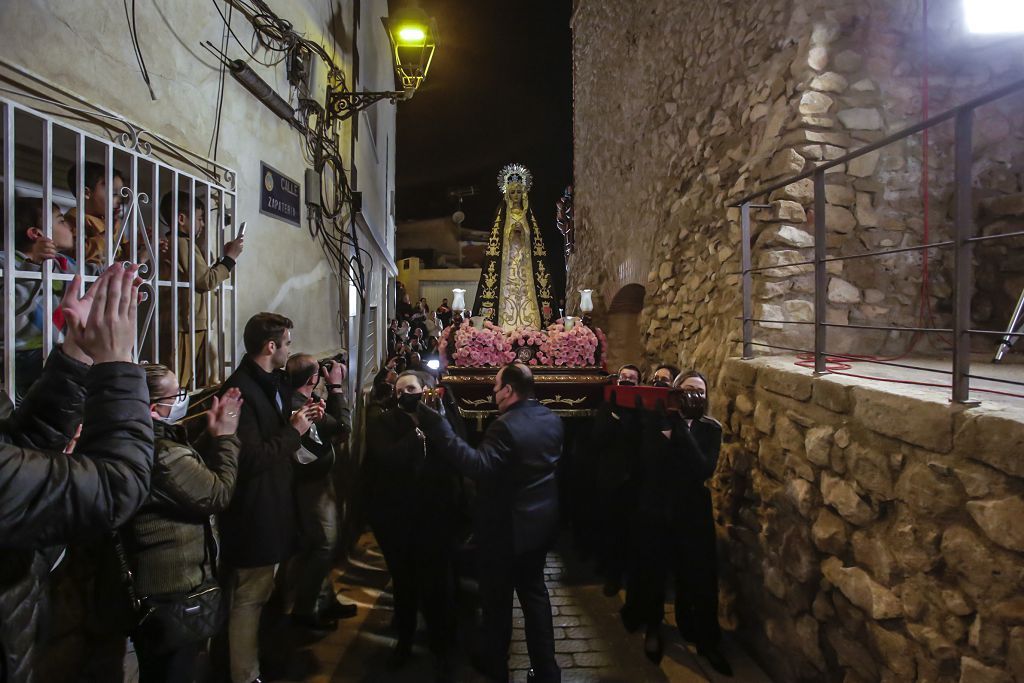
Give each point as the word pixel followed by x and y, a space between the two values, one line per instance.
pixel 674 529
pixel 169 543
pixel 416 513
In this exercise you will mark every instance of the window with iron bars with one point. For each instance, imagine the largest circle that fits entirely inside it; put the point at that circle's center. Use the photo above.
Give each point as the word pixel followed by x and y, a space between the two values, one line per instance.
pixel 187 317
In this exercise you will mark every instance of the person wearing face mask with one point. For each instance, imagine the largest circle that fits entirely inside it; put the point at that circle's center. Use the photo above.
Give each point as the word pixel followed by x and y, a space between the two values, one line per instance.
pixel 167 543
pixel 674 531
pixel 517 517
pixel 259 526
pixel 629 376
pixel 316 607
pixel 415 513
pixel 664 375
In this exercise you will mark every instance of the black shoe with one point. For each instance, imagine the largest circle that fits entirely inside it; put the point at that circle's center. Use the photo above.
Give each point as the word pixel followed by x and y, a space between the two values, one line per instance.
pixel 314 623
pixel 611 588
pixel 340 610
pixel 716 659
pixel 654 649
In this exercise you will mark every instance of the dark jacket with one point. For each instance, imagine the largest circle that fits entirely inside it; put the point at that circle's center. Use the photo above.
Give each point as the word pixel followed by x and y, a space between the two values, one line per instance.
pixel 409 483
pixel 514 467
pixel 674 470
pixel 167 540
pixel 48 498
pixel 335 426
pixel 258 528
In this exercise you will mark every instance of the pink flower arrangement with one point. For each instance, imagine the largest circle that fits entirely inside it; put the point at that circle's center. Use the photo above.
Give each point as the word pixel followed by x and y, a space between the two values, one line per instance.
pixel 481 348
pixel 492 346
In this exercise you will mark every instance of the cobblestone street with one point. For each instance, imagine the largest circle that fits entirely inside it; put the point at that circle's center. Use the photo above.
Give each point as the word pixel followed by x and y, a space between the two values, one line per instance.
pixel 591 644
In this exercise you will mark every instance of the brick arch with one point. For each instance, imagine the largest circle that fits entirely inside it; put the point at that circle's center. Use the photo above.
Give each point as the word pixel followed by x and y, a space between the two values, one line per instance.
pixel 629 299
pixel 629 272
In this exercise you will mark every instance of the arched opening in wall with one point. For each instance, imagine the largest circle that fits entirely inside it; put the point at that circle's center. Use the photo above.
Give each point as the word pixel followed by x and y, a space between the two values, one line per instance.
pixel 622 326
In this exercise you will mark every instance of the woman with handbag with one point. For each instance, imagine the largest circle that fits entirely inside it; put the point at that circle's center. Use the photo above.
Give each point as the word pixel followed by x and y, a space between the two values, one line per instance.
pixel 169 545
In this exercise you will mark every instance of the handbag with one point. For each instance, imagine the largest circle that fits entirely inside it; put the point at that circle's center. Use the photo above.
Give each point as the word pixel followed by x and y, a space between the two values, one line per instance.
pixel 169 621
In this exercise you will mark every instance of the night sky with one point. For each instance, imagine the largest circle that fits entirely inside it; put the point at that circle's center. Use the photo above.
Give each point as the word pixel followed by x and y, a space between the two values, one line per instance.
pixel 499 91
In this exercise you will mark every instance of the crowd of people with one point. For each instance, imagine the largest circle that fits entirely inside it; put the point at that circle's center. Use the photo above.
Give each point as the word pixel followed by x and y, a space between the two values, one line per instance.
pixel 185 533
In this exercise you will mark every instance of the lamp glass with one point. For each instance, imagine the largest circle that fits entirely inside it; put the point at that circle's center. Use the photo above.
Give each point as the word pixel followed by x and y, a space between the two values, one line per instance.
pixel 412 34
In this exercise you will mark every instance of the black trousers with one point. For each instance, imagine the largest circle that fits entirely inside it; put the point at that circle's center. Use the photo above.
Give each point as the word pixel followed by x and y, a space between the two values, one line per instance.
pixel 502 574
pixel 686 553
pixel 178 666
pixel 422 576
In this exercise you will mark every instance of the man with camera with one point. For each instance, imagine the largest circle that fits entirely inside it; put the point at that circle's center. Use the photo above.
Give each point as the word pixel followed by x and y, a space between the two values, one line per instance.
pixel 517 516
pixel 316 606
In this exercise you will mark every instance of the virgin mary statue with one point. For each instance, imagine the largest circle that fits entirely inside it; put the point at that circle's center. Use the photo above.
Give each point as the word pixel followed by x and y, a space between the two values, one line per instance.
pixel 515 285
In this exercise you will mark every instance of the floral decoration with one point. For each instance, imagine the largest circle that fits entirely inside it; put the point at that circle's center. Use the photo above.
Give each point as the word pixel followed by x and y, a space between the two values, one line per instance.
pixel 580 347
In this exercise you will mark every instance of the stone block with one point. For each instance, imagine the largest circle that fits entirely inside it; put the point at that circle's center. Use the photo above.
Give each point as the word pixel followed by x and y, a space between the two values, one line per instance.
pixel 787 236
pixel 817 58
pixel 803 495
pixel 842 292
pixel 829 81
pixel 818 443
pixel 783 263
pixel 927 492
pixel 861 119
pixel 790 211
pixel 921 421
pixel 914 542
pixel 844 499
pixel 875 599
pixel 666 270
pixel 973 671
pixel 839 219
pixel 785 163
pixel 870 469
pixel 1015 653
pixel 802 191
pixel 871 550
pixel 740 372
pixel 786 382
pixel 812 102
pixel 938 645
pixel 993 439
pixel 1004 205
pixel 744 405
pixel 764 418
pixel 839 195
pixel 895 651
pixel 864 165
pixel 829 533
pixel 852 653
pixel 986 573
pixel 788 435
pixel 986 636
pixel 831 394
pixel 1001 519
pixel 848 61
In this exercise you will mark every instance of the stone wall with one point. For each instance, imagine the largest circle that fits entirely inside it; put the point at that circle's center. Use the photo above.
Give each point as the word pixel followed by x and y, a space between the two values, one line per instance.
pixel 870 535
pixel 670 130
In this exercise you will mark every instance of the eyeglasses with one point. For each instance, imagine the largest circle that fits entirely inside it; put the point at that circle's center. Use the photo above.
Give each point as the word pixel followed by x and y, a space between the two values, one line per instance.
pixel 180 396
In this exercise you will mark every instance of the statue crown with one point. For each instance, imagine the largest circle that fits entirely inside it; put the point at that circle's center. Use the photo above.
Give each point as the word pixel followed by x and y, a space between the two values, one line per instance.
pixel 514 174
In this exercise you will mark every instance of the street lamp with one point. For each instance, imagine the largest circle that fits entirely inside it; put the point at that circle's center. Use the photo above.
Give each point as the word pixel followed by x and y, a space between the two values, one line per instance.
pixel 413 38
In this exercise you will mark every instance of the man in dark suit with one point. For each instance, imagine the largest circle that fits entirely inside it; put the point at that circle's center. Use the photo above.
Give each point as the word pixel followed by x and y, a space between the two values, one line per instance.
pixel 517 517
pixel 258 530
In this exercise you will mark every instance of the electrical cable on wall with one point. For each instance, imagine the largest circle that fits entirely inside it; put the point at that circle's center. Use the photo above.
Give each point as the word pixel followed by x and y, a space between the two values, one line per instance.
pixel 134 33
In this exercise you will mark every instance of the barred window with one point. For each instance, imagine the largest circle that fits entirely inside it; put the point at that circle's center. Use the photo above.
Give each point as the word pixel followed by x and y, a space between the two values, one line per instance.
pixel 75 202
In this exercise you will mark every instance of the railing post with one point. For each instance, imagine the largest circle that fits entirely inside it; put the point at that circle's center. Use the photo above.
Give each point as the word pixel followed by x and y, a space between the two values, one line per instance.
pixel 963 231
pixel 747 283
pixel 820 274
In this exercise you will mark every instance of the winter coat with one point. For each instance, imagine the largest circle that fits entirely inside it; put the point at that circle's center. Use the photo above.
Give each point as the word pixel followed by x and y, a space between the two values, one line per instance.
pixel 514 467
pixel 259 527
pixel 167 540
pixel 48 498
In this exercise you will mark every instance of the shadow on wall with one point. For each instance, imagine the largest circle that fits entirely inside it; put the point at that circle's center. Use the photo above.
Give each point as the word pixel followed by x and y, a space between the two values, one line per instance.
pixel 622 327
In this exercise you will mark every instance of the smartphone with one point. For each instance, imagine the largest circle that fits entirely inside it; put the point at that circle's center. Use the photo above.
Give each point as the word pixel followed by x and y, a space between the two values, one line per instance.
pixel 241 230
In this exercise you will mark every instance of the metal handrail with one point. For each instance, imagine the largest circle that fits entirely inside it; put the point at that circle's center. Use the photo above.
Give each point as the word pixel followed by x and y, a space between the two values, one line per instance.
pixel 963 242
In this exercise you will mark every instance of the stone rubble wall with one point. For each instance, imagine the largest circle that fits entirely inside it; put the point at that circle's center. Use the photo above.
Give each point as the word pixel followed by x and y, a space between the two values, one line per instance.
pixel 868 533
pixel 683 107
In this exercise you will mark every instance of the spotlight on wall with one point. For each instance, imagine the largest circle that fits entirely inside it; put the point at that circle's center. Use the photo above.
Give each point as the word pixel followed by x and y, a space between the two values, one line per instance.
pixel 994 16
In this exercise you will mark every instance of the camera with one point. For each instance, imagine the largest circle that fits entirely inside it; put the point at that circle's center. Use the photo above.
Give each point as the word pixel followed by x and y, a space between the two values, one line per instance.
pixel 689 403
pixel 341 357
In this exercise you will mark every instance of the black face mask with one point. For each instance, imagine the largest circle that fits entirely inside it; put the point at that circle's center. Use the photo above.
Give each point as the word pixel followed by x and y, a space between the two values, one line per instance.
pixel 662 383
pixel 626 383
pixel 408 402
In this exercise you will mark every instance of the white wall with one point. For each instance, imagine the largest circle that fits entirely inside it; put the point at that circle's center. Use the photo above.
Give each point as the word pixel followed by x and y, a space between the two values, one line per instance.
pixel 85 47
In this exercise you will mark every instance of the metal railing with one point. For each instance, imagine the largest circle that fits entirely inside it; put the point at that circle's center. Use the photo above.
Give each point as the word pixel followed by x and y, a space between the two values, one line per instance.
pixel 962 243
pixel 37 146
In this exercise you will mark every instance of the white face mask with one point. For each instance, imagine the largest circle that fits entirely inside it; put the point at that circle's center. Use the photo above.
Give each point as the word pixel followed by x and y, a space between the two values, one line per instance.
pixel 178 410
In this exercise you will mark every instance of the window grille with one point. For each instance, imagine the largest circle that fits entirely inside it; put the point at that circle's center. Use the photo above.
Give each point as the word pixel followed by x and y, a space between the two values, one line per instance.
pixel 39 148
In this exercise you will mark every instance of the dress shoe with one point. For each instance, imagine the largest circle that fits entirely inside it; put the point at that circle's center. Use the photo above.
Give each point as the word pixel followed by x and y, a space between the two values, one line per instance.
pixel 654 649
pixel 716 659
pixel 340 610
pixel 316 622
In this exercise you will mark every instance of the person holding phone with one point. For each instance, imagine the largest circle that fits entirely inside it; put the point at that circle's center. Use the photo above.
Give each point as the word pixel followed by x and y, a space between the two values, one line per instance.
pixel 673 526
pixel 203 277
pixel 416 514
